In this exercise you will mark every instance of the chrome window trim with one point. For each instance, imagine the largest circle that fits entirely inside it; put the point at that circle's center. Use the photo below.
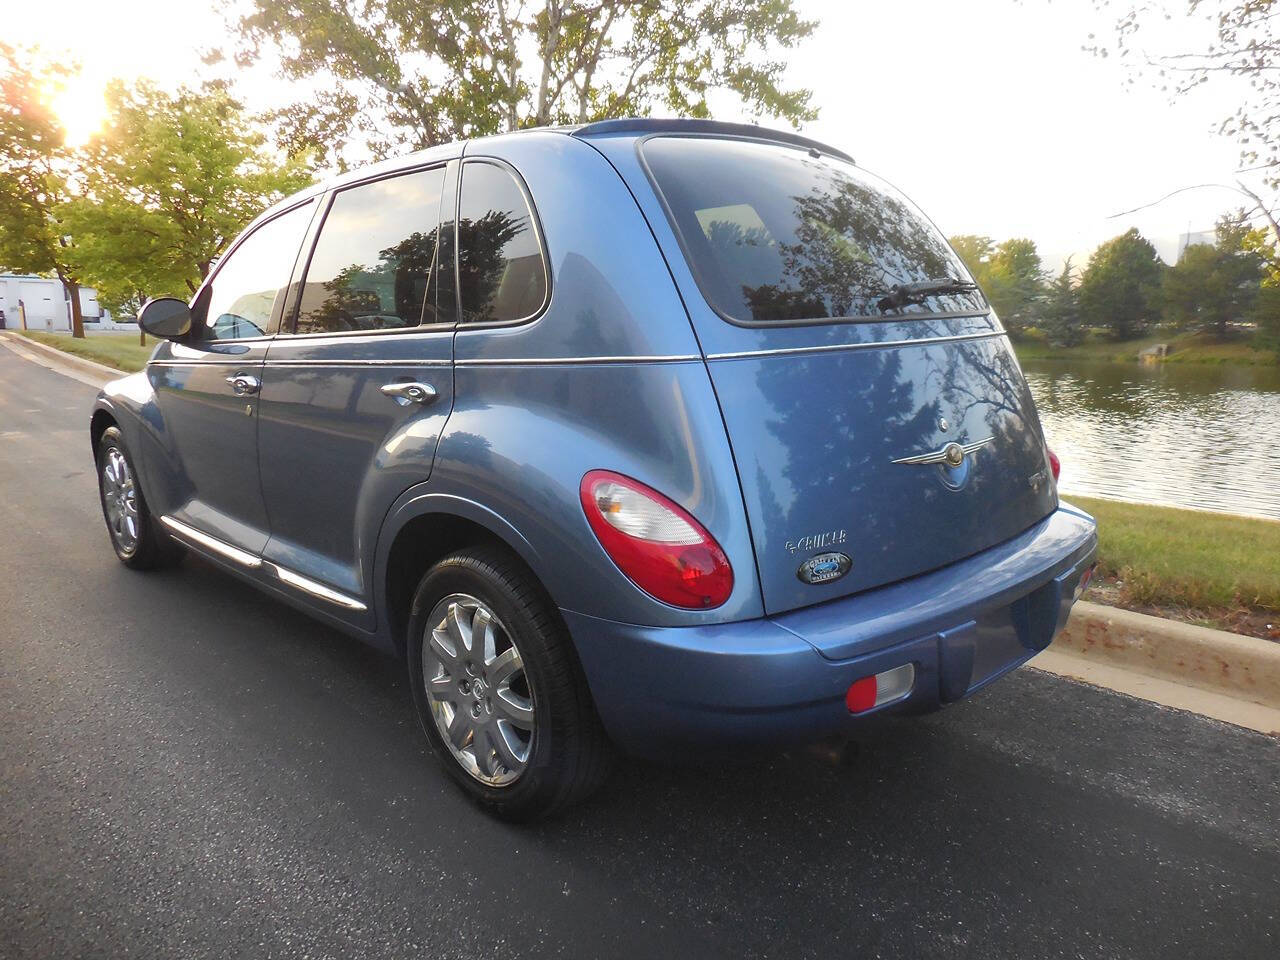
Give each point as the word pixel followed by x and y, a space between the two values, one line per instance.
pixel 868 345
pixel 407 362
pixel 376 332
pixel 553 361
pixel 220 547
pixel 257 361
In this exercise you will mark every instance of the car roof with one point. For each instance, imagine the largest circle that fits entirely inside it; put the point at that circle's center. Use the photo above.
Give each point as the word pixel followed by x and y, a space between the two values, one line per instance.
pixel 638 126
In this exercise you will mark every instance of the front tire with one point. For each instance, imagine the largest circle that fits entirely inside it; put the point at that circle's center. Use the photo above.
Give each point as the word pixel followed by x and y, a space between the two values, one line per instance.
pixel 498 688
pixel 136 537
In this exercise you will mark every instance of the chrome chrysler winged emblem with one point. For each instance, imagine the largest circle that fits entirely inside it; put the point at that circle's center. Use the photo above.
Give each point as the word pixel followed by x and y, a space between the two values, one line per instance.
pixel 952 454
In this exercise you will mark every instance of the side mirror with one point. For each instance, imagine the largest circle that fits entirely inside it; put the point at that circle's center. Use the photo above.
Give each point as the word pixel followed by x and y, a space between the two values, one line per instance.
pixel 166 317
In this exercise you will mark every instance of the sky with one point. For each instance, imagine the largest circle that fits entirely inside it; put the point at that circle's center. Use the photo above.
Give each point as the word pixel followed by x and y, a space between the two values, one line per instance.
pixel 987 113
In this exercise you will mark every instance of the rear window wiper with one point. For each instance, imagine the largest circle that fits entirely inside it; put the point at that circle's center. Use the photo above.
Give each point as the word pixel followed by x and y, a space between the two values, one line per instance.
pixel 901 294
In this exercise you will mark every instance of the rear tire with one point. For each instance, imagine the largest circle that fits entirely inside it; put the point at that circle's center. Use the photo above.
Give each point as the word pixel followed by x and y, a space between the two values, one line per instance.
pixel 498 688
pixel 135 534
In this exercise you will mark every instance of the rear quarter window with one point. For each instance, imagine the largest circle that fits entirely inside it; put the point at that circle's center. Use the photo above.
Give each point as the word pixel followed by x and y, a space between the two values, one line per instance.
pixel 776 235
pixel 502 275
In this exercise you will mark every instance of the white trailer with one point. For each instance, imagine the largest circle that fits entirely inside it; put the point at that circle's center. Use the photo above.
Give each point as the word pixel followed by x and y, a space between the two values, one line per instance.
pixel 47 305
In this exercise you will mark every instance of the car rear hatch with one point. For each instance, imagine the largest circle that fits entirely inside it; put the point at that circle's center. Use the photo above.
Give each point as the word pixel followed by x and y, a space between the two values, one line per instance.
pixel 874 407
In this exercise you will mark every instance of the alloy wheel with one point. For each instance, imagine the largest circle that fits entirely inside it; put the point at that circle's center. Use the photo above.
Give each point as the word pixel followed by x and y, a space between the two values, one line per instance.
pixel 477 689
pixel 120 499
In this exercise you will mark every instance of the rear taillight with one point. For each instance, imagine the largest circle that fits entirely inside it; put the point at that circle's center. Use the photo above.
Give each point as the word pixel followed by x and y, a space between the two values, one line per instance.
pixel 1054 464
pixel 658 545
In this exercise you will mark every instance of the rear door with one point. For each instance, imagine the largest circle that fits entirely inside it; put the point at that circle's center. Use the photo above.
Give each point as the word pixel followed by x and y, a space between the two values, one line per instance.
pixel 895 430
pixel 356 388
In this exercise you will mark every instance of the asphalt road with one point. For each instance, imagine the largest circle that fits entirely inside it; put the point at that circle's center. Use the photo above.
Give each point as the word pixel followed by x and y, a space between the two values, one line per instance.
pixel 188 769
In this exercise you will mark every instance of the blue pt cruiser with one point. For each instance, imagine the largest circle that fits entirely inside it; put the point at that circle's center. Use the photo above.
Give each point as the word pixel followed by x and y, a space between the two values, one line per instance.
pixel 639 434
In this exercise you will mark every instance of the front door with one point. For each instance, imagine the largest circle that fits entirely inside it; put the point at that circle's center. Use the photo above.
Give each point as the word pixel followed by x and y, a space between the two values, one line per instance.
pixel 355 392
pixel 207 388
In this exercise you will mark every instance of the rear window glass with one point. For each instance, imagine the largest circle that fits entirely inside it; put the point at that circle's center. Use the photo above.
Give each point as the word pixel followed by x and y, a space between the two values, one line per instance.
pixel 776 235
pixel 374 260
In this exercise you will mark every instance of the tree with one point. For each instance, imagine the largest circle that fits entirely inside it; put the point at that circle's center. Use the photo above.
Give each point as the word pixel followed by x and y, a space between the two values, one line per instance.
pixel 1060 312
pixel 1017 283
pixel 1120 287
pixel 34 171
pixel 1267 315
pixel 975 252
pixel 1235 234
pixel 1209 287
pixel 167 184
pixel 393 75
pixel 1009 274
pixel 1245 45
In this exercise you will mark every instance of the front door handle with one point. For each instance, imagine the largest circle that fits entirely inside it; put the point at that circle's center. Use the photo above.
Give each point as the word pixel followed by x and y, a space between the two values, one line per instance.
pixel 243 384
pixel 410 392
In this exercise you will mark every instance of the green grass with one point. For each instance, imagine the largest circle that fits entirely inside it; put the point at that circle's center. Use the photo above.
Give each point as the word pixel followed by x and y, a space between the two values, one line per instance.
pixel 1184 348
pixel 1185 558
pixel 119 350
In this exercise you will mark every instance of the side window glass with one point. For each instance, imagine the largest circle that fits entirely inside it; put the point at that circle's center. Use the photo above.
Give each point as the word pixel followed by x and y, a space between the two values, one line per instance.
pixel 239 301
pixel 501 273
pixel 375 258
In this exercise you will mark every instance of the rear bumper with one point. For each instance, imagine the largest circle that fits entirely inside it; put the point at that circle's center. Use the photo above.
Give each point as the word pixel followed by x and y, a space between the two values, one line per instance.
pixel 784 678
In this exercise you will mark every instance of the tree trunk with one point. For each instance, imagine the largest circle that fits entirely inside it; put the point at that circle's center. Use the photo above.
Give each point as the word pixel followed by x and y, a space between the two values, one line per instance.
pixel 77 318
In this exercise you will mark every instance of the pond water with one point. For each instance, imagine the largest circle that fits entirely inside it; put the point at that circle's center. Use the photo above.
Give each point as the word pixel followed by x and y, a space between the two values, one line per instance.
pixel 1187 435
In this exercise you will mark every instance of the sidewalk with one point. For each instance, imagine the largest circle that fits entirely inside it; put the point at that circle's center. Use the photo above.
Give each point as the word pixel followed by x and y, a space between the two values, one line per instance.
pixel 77 368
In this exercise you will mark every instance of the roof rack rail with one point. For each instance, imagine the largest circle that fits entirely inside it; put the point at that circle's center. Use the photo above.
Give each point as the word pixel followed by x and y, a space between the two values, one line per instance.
pixel 656 125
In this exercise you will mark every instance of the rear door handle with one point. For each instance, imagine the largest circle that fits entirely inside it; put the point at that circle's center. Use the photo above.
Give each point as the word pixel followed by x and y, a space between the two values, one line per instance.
pixel 410 392
pixel 243 384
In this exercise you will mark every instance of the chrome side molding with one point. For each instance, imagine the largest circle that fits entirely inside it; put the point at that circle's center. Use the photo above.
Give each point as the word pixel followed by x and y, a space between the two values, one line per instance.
pixel 252 562
pixel 310 586
pixel 235 554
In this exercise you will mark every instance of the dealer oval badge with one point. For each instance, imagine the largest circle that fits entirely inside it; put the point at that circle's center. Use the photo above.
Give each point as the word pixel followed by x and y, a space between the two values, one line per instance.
pixel 824 568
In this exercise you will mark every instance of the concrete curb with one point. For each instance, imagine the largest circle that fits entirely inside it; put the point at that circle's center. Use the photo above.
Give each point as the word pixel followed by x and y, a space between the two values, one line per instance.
pixel 53 353
pixel 1244 668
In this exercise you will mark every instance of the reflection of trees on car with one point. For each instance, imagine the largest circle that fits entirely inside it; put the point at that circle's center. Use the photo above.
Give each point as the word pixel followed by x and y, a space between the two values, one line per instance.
pixel 482 262
pixel 851 243
pixel 390 293
pixel 414 257
pixel 343 302
pixel 232 326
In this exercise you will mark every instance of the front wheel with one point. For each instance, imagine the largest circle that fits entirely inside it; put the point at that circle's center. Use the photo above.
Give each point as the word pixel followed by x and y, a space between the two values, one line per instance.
pixel 498 688
pixel 135 535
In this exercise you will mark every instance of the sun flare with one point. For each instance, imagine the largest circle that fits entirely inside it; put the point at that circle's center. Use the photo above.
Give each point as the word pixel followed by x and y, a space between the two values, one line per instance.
pixel 81 109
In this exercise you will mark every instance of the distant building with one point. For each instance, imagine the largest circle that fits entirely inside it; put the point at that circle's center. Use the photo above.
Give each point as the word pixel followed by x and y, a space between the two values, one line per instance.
pixel 47 305
pixel 1192 237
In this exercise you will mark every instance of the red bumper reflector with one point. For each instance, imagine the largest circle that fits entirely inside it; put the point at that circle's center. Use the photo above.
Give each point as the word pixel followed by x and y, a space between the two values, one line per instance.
pixel 881 688
pixel 861 695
